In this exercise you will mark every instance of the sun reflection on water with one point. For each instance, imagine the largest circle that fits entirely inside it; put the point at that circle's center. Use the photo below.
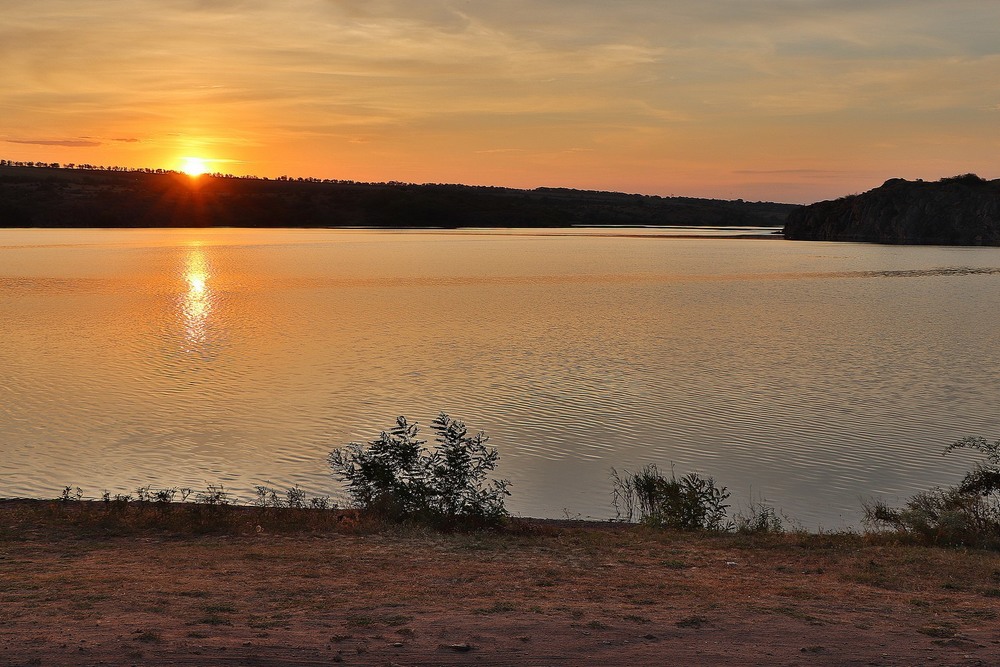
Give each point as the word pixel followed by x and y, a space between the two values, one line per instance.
pixel 197 301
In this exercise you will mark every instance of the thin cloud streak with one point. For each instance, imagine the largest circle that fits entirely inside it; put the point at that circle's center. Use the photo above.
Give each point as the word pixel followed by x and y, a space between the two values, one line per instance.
pixel 69 143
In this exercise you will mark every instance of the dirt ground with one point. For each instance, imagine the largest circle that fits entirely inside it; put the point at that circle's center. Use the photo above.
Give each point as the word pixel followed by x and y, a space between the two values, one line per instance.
pixel 558 595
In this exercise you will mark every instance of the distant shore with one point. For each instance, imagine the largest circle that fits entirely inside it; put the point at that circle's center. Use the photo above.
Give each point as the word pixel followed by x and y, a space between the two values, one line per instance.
pixel 55 196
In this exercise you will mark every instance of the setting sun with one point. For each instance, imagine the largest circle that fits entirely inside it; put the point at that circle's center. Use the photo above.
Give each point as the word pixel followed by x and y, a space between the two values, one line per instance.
pixel 194 166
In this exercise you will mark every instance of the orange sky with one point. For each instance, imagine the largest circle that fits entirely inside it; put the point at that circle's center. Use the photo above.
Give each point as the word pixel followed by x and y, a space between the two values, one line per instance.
pixel 786 100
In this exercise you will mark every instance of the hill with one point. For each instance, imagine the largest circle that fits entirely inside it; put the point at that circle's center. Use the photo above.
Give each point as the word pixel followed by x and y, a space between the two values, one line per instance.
pixel 962 210
pixel 60 197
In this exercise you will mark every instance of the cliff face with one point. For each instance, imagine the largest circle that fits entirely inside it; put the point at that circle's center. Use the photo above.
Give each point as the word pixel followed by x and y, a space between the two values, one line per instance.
pixel 963 210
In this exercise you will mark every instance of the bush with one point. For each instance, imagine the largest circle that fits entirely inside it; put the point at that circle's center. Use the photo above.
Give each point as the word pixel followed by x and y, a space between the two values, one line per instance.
pixel 691 502
pixel 963 515
pixel 397 478
pixel 983 480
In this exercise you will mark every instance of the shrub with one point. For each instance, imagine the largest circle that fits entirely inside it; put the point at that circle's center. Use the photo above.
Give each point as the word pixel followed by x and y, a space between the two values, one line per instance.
pixel 963 515
pixel 396 477
pixel 691 502
pixel 983 480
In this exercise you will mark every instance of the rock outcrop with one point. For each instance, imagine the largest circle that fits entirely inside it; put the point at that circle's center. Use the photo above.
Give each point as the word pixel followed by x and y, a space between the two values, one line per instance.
pixel 962 210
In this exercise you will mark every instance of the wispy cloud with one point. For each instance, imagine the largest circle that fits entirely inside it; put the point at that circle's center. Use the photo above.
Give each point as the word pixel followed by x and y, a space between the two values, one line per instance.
pixel 69 143
pixel 502 150
pixel 809 172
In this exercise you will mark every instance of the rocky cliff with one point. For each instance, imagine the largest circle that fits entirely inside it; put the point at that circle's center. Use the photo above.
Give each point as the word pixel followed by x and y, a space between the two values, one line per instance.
pixel 962 210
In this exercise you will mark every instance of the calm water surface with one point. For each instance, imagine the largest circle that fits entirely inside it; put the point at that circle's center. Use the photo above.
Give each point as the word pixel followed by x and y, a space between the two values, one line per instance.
pixel 807 374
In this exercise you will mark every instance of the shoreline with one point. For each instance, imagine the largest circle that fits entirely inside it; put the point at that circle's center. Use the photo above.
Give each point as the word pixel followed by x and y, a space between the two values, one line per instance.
pixel 540 592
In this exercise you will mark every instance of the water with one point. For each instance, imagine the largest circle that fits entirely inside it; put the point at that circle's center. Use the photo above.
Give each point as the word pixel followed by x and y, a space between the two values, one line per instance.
pixel 810 375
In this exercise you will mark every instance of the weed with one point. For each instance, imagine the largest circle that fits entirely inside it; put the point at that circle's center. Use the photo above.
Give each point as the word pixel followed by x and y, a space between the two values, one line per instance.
pixel 216 496
pixel 164 496
pixel 759 518
pixel 690 502
pixel 264 623
pixel 150 637
pixel 195 594
pixel 978 614
pixel 266 496
pixel 320 502
pixel 371 620
pixel 692 622
pixel 497 608
pixel 295 497
pixel 938 631
pixel 215 619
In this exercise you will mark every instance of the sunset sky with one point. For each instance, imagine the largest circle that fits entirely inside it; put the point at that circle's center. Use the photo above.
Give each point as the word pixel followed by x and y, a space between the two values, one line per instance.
pixel 785 100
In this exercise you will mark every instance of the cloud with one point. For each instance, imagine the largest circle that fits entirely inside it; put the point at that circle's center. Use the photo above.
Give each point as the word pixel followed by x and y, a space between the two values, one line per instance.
pixel 806 172
pixel 71 143
pixel 502 150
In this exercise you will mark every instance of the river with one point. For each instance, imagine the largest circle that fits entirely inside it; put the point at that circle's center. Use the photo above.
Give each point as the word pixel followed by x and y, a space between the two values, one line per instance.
pixel 808 375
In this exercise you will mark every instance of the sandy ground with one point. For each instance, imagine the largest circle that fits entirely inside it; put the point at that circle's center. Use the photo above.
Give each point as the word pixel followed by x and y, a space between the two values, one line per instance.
pixel 566 596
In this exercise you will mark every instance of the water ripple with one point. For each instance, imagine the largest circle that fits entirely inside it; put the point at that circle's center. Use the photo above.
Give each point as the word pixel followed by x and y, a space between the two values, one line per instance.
pixel 808 380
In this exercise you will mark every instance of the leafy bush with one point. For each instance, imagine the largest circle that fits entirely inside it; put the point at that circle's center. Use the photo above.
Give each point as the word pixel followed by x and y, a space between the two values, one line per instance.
pixel 983 480
pixel 963 515
pixel 690 502
pixel 396 477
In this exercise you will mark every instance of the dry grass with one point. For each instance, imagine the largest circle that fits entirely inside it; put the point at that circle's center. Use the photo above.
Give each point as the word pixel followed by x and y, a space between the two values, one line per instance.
pixel 310 589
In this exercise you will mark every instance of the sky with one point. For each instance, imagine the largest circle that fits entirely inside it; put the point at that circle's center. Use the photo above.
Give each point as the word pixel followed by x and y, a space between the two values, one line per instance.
pixel 780 100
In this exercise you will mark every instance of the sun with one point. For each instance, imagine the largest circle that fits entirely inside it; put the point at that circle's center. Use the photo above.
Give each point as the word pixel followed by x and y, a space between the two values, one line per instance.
pixel 194 166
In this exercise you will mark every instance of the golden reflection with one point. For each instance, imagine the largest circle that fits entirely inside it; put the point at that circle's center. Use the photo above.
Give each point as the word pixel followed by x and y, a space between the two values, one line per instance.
pixel 197 301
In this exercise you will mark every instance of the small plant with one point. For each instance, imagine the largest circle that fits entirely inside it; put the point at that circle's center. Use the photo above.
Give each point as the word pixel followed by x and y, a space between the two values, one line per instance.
pixel 695 621
pixel 116 503
pixel 266 496
pixel 691 502
pixel 397 478
pixel 71 494
pixel 758 518
pixel 164 496
pixel 149 637
pixel 320 502
pixel 295 497
pixel 216 496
